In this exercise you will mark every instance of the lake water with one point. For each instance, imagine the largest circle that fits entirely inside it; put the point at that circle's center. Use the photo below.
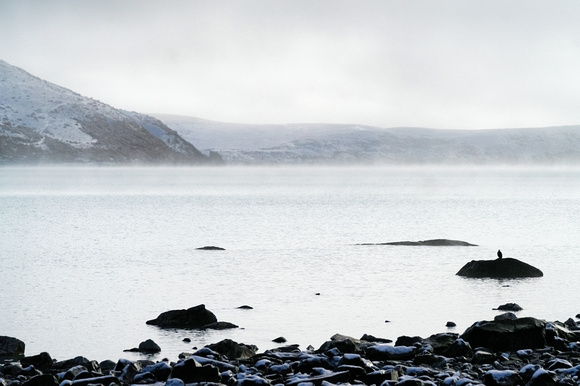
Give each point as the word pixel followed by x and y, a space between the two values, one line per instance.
pixel 89 254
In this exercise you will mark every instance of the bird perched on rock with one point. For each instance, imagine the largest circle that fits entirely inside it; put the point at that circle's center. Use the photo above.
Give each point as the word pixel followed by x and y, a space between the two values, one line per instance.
pixel 499 254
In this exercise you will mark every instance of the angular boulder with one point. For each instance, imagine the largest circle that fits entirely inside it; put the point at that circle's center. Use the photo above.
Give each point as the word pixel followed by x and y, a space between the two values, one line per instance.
pixel 42 361
pixel 194 317
pixel 233 350
pixel 509 335
pixel 499 269
pixel 11 346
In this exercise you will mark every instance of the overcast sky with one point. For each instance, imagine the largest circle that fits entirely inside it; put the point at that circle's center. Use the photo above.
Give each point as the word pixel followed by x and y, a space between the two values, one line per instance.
pixel 440 64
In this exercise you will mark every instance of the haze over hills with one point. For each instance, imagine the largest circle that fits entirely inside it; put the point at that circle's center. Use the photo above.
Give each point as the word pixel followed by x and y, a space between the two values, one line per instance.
pixel 43 122
pixel 335 143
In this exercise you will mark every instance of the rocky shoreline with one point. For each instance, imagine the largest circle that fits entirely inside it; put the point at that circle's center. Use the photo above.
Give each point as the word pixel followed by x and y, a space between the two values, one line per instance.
pixel 505 351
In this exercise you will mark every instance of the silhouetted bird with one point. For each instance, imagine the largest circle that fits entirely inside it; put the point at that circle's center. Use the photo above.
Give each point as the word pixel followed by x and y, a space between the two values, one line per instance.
pixel 499 254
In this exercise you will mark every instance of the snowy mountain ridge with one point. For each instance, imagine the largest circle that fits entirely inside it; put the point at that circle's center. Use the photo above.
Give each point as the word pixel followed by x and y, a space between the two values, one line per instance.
pixel 344 143
pixel 43 122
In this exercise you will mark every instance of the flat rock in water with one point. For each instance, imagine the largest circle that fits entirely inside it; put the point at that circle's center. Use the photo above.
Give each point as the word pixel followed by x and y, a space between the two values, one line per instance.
pixel 499 268
pixel 509 307
pixel 211 248
pixel 431 243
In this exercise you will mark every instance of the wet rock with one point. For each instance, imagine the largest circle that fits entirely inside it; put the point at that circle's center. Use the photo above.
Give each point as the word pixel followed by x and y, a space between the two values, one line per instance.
pixel 509 307
pixel 502 378
pixel 320 377
pixel 379 377
pixel 149 346
pixel 342 343
pixel 385 351
pixel 459 348
pixel 90 365
pixel 505 316
pixel 279 339
pixel 407 340
pixel 42 380
pixel 129 372
pixel 245 307
pixel 104 380
pixel 211 248
pixel 507 334
pixel 370 338
pixel 440 342
pixel 42 361
pixel 74 371
pixel 11 346
pixel 221 365
pixel 542 377
pixel 190 371
pixel 160 370
pixel 252 380
pixel 194 317
pixel 233 350
pixel 499 268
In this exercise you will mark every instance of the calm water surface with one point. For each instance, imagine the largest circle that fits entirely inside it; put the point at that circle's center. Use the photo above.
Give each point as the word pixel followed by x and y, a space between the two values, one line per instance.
pixel 89 254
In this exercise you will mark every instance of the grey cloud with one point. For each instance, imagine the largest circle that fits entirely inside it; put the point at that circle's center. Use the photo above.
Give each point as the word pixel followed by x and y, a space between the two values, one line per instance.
pixel 450 64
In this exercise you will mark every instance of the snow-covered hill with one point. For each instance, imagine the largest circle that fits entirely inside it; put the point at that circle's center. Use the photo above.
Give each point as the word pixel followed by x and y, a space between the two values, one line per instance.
pixel 320 143
pixel 43 122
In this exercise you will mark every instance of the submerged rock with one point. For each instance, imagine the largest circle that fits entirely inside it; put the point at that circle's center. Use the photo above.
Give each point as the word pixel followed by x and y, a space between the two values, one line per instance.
pixel 431 243
pixel 499 269
pixel 514 307
pixel 211 248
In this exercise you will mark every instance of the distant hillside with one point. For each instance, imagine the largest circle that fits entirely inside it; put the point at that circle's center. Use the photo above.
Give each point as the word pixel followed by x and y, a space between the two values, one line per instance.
pixel 43 122
pixel 331 143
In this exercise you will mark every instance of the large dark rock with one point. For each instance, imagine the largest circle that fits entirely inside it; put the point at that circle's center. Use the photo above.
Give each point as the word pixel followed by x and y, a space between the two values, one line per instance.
pixel 42 361
pixel 11 346
pixel 233 350
pixel 190 371
pixel 510 335
pixel 499 268
pixel 194 317
pixel 42 380
pixel 149 346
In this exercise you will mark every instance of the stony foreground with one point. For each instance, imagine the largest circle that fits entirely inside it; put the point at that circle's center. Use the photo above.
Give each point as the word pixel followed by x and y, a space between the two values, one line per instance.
pixel 506 351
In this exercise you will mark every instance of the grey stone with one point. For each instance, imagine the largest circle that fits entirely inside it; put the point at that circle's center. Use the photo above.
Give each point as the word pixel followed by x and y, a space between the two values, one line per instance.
pixel 499 268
